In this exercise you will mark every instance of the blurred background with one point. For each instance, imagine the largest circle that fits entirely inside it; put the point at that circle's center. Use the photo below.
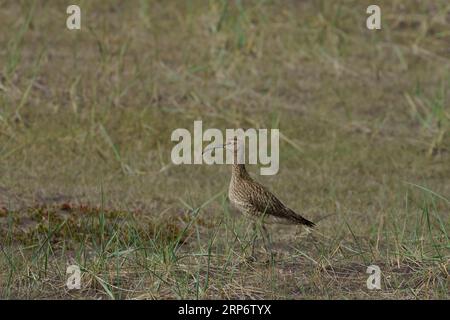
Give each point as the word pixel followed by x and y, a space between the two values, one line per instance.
pixel 86 117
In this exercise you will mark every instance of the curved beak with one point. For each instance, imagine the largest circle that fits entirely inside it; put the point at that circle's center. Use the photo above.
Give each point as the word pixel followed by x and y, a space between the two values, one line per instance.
pixel 221 146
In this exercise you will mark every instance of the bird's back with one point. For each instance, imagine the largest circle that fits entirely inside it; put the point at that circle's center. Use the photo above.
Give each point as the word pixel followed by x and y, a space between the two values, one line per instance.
pixel 255 200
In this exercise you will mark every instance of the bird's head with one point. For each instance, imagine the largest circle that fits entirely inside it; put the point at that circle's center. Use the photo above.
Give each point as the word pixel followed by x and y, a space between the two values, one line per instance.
pixel 233 144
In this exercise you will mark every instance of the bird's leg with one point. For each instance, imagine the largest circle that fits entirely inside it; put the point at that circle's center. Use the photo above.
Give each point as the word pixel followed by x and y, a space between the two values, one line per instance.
pixel 254 236
pixel 266 240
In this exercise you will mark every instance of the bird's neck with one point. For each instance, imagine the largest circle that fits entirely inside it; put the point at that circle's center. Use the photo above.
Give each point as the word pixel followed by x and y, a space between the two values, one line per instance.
pixel 238 171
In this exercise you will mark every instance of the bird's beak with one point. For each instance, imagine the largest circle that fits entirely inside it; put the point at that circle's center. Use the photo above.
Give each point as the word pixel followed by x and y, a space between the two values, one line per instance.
pixel 221 146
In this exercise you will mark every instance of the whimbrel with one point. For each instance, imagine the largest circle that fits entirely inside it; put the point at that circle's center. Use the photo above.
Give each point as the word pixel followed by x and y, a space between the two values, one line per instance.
pixel 254 200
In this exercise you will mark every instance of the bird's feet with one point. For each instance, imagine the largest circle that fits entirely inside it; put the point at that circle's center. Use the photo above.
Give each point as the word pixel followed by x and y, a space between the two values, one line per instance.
pixel 270 258
pixel 266 258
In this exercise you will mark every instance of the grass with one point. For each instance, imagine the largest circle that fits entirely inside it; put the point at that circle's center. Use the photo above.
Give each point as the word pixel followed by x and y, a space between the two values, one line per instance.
pixel 85 170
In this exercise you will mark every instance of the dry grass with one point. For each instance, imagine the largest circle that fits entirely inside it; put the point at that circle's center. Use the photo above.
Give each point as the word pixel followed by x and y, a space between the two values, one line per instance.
pixel 85 171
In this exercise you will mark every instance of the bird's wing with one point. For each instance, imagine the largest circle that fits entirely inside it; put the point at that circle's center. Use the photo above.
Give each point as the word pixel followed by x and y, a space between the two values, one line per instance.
pixel 265 202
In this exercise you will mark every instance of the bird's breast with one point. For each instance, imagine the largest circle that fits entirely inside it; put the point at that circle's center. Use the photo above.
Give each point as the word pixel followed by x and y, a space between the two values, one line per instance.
pixel 236 192
pixel 238 197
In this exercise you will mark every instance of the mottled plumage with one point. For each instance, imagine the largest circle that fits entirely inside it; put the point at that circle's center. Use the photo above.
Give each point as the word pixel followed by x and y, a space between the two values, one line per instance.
pixel 254 200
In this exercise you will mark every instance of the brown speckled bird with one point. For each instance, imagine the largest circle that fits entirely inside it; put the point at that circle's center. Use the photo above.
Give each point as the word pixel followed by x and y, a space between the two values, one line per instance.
pixel 254 200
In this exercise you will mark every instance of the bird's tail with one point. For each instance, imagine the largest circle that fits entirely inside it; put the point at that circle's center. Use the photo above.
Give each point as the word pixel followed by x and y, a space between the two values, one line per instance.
pixel 307 223
pixel 300 220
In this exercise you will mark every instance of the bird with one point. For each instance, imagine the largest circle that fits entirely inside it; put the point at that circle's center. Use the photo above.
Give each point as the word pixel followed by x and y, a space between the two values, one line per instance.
pixel 255 201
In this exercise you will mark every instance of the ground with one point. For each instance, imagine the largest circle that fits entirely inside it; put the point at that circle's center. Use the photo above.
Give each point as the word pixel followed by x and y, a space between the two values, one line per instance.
pixel 85 171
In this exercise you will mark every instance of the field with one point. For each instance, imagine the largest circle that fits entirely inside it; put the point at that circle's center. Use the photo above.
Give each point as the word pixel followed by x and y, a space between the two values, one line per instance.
pixel 86 176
